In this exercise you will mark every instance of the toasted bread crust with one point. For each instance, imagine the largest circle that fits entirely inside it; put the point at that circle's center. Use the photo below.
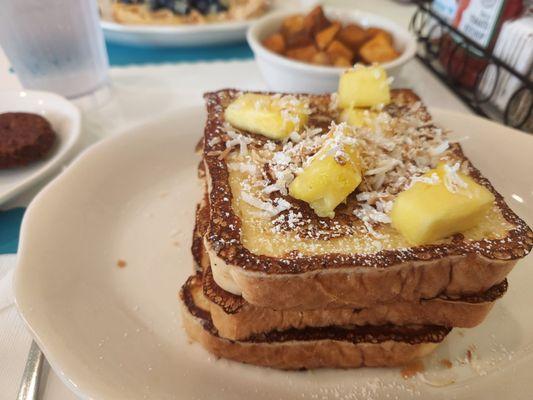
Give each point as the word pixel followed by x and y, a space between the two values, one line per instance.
pixel 409 282
pixel 232 304
pixel 201 224
pixel 237 319
pixel 318 348
pixel 305 355
pixel 351 280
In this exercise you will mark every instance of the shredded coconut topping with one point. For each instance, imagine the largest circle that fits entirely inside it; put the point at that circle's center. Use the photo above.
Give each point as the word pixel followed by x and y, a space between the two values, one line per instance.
pixel 214 141
pixel 441 148
pixel 340 135
pixel 243 167
pixel 270 208
pixel 397 146
pixel 452 180
pixel 433 179
pixel 333 102
pixel 291 106
pixel 238 139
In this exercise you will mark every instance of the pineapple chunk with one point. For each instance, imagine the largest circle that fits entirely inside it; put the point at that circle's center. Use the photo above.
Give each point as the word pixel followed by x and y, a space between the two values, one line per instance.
pixel 273 117
pixel 327 181
pixel 364 87
pixel 449 202
pixel 357 117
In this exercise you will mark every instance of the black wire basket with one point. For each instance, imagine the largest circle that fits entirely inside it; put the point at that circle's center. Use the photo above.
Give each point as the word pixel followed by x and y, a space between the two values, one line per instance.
pixel 449 60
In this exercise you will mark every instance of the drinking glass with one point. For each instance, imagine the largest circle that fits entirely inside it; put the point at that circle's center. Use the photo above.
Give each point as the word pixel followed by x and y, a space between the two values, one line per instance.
pixel 55 45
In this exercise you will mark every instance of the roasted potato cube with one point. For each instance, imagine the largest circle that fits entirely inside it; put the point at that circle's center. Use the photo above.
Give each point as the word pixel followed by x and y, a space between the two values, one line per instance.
pixel 316 21
pixel 321 58
pixel 305 54
pixel 295 32
pixel 353 36
pixel 373 32
pixel 337 50
pixel 275 43
pixel 299 39
pixel 343 62
pixel 326 36
pixel 378 49
pixel 291 24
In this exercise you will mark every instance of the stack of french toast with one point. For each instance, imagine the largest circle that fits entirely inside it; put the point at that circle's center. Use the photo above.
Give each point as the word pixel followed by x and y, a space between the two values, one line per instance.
pixel 340 230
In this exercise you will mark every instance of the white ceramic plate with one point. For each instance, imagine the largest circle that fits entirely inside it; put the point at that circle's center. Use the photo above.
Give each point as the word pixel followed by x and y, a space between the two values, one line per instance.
pixel 65 119
pixel 184 35
pixel 115 333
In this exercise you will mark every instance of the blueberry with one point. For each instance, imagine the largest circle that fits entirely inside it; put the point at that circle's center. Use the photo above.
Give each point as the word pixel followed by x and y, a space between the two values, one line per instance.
pixel 131 1
pixel 177 6
pixel 182 7
pixel 209 6
pixel 157 4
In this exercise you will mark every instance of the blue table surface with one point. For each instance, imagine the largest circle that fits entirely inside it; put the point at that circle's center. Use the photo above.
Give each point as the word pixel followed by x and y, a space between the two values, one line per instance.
pixel 125 55
pixel 119 55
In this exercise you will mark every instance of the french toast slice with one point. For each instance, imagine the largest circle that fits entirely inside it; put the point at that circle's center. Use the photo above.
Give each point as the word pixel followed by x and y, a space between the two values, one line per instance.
pixel 277 253
pixel 326 347
pixel 236 319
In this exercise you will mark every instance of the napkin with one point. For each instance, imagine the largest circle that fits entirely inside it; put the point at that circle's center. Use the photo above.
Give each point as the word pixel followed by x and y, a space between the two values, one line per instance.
pixel 14 338
pixel 6 291
pixel 514 47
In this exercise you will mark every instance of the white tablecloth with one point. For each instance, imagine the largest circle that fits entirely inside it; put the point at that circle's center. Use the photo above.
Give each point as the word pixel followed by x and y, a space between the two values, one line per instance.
pixel 177 85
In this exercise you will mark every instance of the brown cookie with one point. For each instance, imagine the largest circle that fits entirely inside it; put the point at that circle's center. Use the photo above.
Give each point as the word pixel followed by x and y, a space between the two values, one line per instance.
pixel 24 138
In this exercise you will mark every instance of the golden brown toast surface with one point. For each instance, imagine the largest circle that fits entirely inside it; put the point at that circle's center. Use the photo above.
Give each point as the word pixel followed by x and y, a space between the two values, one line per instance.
pixel 273 233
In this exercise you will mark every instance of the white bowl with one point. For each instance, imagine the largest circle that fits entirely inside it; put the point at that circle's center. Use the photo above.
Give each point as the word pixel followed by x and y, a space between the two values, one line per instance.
pixel 285 75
